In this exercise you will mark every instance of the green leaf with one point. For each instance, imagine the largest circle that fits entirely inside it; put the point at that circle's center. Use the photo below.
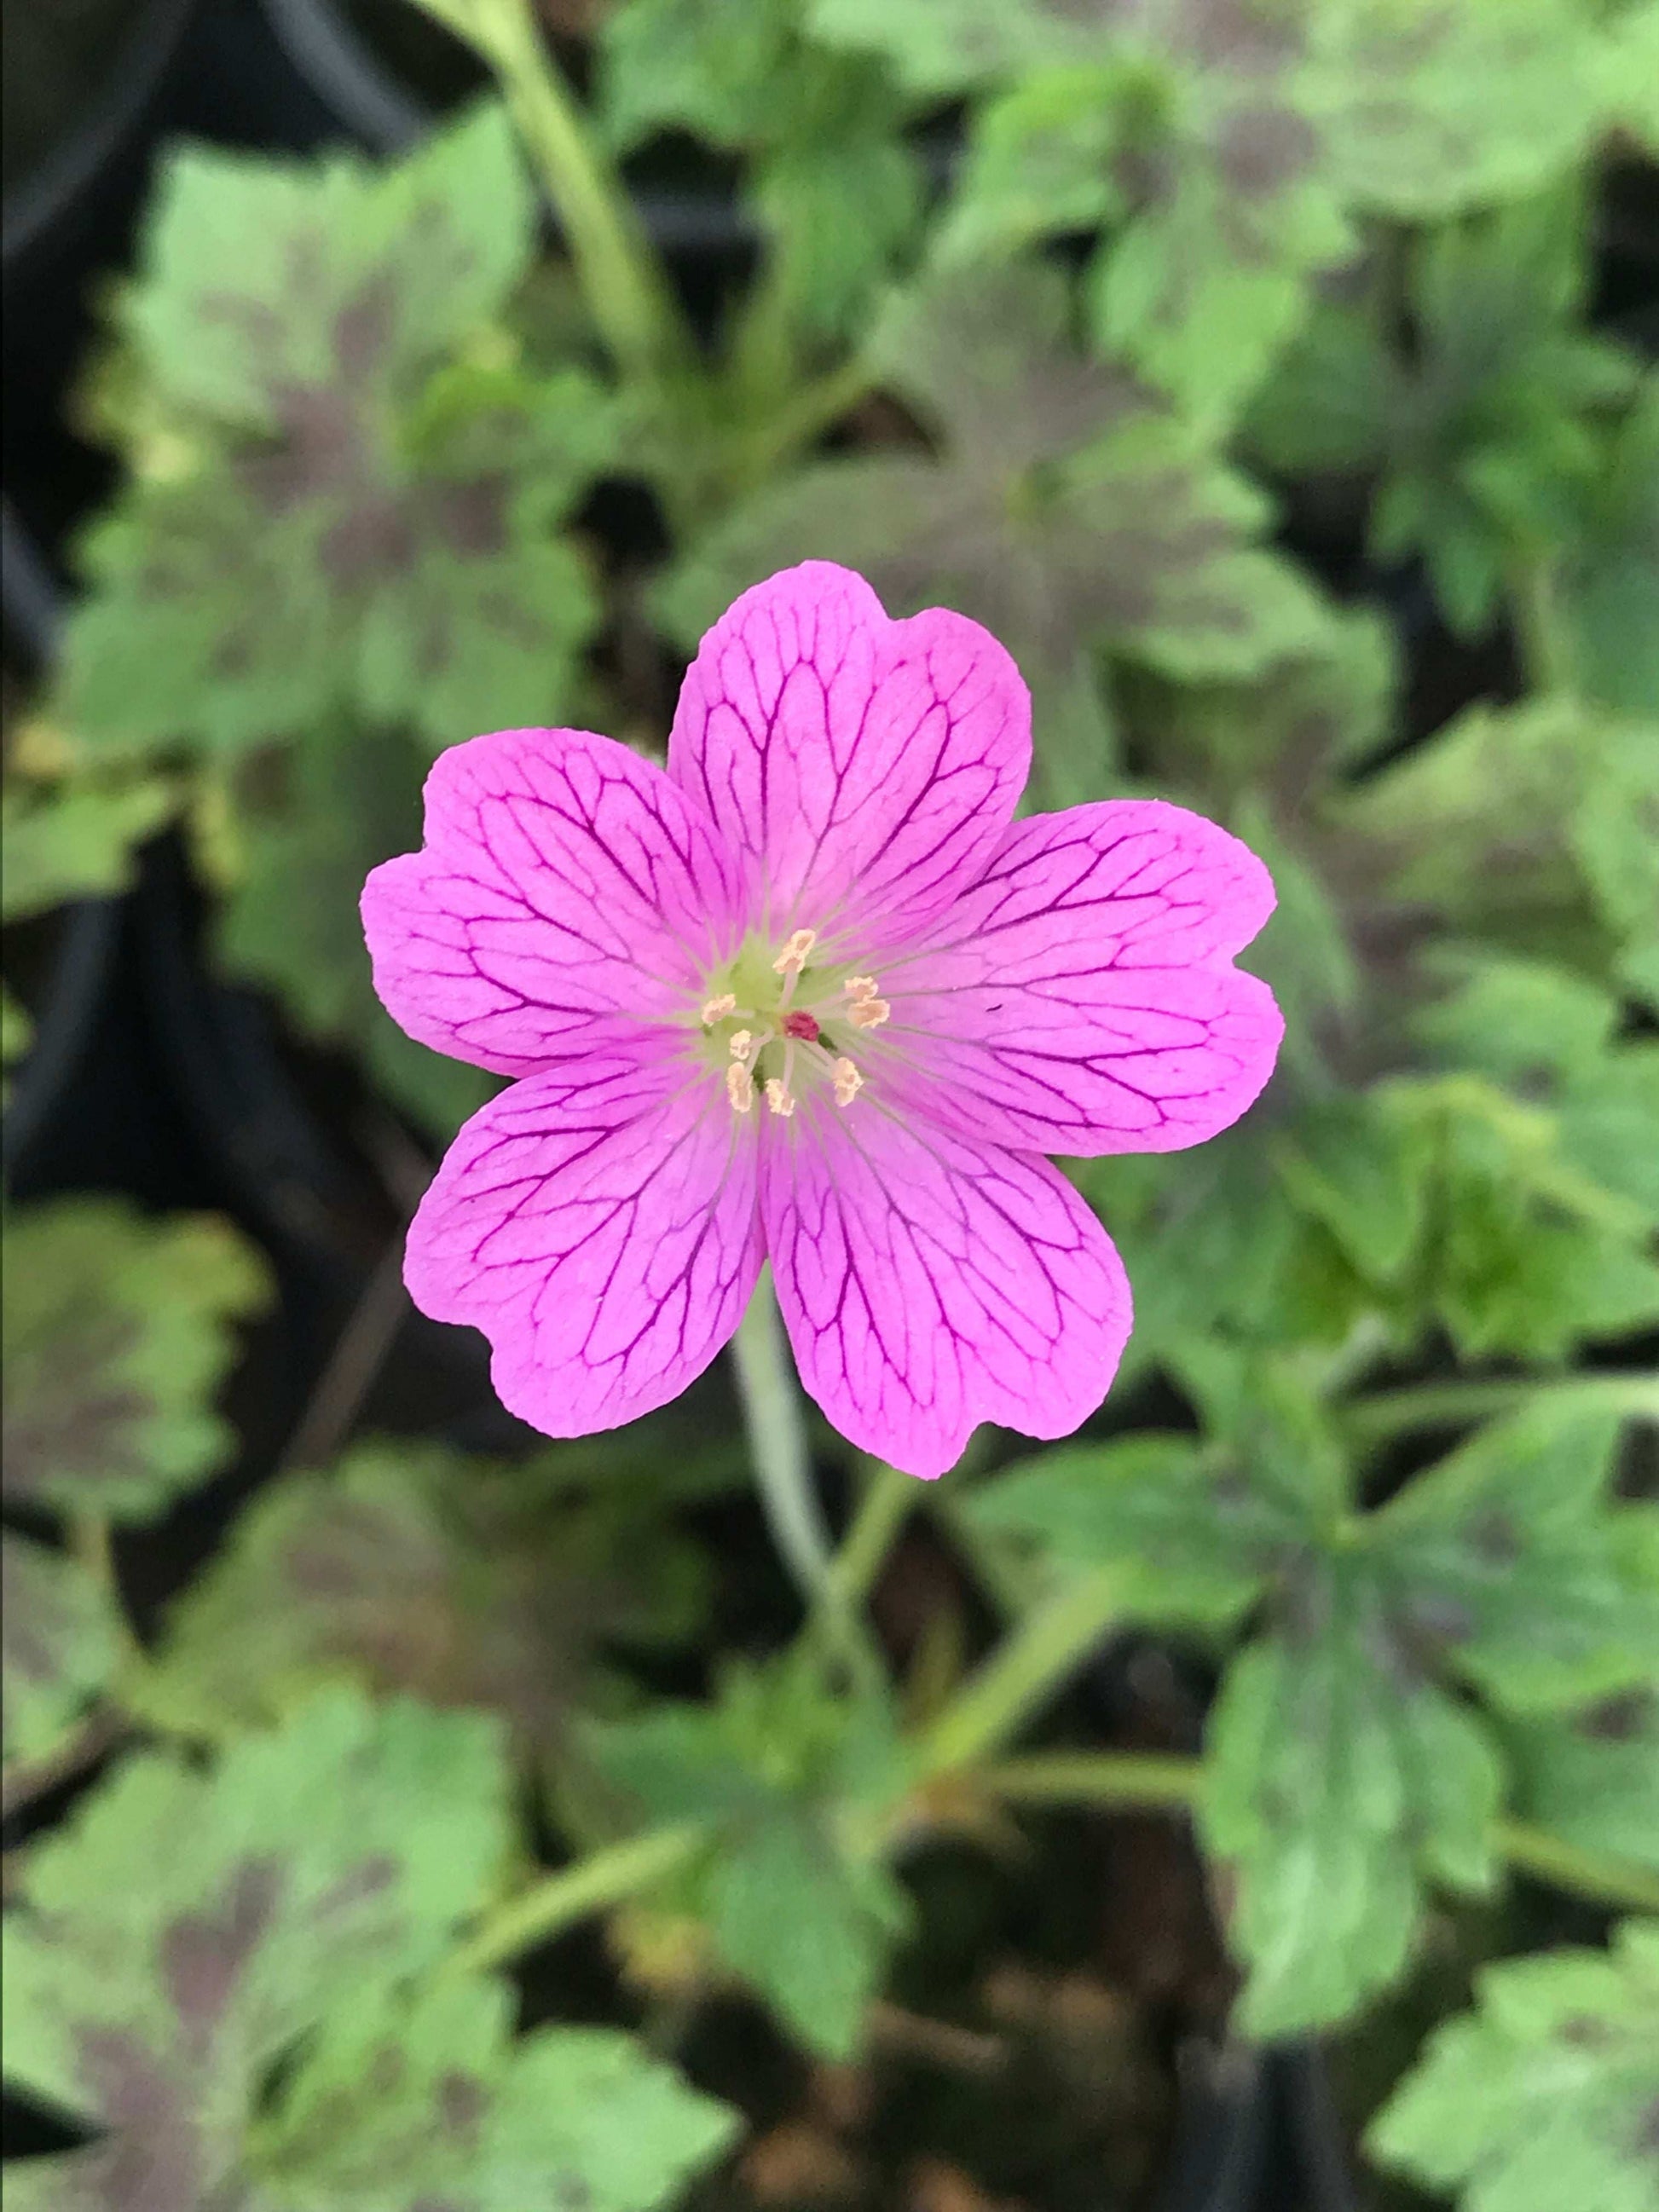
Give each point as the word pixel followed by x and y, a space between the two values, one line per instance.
pixel 76 841
pixel 1186 1536
pixel 1430 107
pixel 1525 1578
pixel 1363 1170
pixel 1609 1112
pixel 60 1643
pixel 1487 431
pixel 1544 2095
pixel 840 200
pixel 1610 568
pixel 807 1926
pixel 1593 1780
pixel 1067 510
pixel 1514 1018
pixel 347 798
pixel 792 1894
pixel 936 50
pixel 118 1331
pixel 1036 163
pixel 186 1931
pixel 388 268
pixel 1337 1780
pixel 347 489
pixel 397 2107
pixel 694 64
pixel 1211 277
pixel 412 1568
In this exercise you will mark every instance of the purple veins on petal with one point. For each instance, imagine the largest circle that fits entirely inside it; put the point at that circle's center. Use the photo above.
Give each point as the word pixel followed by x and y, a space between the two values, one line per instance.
pixel 812 992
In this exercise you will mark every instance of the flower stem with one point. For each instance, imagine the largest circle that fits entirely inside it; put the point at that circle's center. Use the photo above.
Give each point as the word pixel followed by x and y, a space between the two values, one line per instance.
pixel 887 1502
pixel 558 1900
pixel 1127 1778
pixel 1032 1660
pixel 810 411
pixel 1564 1866
pixel 622 279
pixel 1388 1412
pixel 777 1441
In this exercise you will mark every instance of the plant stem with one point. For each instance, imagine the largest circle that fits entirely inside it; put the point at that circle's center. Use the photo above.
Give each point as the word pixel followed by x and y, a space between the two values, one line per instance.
pixel 1433 1405
pixel 23 1780
pixel 1031 1661
pixel 888 1500
pixel 1544 648
pixel 558 1900
pixel 806 415
pixel 777 1441
pixel 1564 1866
pixel 627 294
pixel 1126 1779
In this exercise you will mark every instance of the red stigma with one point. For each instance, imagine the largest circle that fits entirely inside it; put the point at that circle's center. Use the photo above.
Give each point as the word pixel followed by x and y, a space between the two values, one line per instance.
pixel 797 1024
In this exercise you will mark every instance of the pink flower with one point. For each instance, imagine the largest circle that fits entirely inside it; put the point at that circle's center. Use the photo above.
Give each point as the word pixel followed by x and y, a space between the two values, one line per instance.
pixel 811 995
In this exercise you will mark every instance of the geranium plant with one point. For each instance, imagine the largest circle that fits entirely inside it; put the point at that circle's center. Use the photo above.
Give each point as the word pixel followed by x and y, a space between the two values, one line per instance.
pixel 1168 485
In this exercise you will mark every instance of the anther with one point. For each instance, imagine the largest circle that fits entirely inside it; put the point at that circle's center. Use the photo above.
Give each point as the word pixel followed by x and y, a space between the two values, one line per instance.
pixel 741 1041
pixel 718 1009
pixel 795 955
pixel 869 1013
pixel 740 1087
pixel 778 1097
pixel 848 1082
pixel 862 986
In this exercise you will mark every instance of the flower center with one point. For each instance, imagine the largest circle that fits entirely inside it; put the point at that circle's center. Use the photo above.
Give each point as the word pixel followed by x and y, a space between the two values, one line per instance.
pixel 779 1024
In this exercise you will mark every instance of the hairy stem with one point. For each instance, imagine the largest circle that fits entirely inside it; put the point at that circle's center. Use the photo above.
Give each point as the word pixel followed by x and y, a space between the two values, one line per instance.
pixel 559 1900
pixel 1432 1405
pixel 1126 1779
pixel 888 1499
pixel 777 1441
pixel 1033 1659
pixel 622 279
pixel 1564 1866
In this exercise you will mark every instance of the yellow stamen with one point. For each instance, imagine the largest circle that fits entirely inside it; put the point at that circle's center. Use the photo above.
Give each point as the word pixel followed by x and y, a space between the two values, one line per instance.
pixel 778 1097
pixel 718 1009
pixel 869 1013
pixel 848 1082
pixel 862 986
pixel 741 1041
pixel 740 1087
pixel 795 955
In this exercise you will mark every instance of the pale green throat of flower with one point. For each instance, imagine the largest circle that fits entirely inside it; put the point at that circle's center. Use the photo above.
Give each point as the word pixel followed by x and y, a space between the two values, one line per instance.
pixel 781 1024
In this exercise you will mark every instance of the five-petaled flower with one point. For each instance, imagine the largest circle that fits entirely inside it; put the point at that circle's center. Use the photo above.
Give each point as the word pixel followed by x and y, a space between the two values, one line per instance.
pixel 812 993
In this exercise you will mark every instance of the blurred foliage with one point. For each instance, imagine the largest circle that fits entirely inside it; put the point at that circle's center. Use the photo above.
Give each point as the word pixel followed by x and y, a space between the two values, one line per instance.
pixel 291 1896
pixel 1263 374
pixel 1545 2094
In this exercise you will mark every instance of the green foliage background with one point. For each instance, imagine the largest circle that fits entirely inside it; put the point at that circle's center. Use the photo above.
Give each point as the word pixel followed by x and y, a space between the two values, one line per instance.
pixel 1252 368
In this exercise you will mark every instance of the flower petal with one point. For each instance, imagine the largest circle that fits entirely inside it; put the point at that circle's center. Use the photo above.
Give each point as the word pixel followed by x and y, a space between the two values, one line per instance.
pixel 601 1229
pixel 929 1282
pixel 1082 1000
pixel 567 893
pixel 867 770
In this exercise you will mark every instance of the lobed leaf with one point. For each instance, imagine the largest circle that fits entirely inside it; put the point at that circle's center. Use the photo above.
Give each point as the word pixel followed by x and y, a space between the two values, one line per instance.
pixel 1066 511
pixel 117 1333
pixel 1338 1779
pixel 186 1931
pixel 397 2105
pixel 1185 1536
pixel 1526 1579
pixel 410 1568
pixel 59 1641
pixel 1545 2093
pixel 348 490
